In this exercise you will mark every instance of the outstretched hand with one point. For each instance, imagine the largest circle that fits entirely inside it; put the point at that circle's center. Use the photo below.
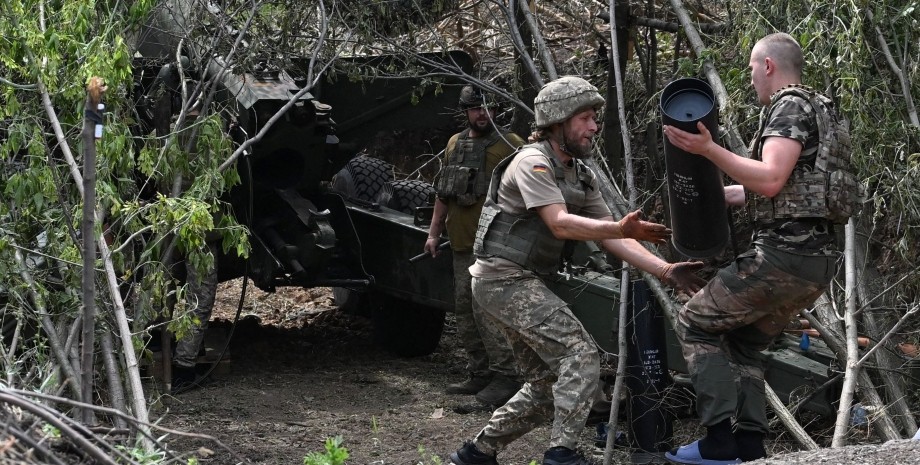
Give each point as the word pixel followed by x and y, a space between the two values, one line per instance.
pixel 681 276
pixel 633 226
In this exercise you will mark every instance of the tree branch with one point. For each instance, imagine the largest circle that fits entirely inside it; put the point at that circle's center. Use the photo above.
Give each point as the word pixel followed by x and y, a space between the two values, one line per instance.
pixel 734 139
pixel 902 76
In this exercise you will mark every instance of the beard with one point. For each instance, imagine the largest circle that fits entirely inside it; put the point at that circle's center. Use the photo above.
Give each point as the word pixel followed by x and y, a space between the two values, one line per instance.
pixel 482 127
pixel 577 148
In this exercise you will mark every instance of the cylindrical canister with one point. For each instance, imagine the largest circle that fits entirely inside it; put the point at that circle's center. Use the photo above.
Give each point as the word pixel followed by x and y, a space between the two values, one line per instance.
pixel 651 427
pixel 695 191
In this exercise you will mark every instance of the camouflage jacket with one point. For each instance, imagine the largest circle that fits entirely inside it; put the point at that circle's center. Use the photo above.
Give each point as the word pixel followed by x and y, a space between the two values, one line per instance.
pixel 793 118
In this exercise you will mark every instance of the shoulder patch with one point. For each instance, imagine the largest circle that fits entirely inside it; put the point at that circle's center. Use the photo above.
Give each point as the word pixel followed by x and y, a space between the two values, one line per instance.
pixel 540 168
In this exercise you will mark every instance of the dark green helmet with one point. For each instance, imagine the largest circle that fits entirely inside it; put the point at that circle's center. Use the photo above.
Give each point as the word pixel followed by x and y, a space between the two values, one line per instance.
pixel 473 97
pixel 559 100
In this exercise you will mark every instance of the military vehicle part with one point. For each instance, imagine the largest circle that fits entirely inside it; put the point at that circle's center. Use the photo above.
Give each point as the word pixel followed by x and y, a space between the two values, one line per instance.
pixel 696 196
pixel 363 178
pixel 406 195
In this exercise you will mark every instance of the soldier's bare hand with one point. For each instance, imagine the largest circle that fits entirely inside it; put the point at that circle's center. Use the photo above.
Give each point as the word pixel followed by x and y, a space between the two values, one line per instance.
pixel 689 142
pixel 634 227
pixel 431 246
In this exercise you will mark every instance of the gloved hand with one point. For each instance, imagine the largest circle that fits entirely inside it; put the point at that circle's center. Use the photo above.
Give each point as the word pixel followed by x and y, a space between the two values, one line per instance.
pixel 681 276
pixel 633 227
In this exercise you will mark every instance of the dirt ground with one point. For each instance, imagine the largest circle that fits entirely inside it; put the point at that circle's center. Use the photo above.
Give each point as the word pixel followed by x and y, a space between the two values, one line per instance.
pixel 299 371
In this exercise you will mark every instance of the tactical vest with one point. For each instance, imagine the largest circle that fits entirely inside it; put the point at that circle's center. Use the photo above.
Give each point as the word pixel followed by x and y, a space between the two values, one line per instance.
pixel 465 177
pixel 825 189
pixel 525 239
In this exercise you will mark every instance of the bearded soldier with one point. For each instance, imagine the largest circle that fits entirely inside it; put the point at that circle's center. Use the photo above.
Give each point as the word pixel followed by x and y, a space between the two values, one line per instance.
pixel 469 159
pixel 538 199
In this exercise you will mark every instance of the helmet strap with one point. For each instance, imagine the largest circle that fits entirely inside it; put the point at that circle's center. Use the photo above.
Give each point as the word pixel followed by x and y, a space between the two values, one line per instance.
pixel 560 141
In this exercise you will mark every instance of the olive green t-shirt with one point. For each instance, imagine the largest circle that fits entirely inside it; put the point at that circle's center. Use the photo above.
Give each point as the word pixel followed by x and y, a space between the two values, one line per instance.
pixel 461 221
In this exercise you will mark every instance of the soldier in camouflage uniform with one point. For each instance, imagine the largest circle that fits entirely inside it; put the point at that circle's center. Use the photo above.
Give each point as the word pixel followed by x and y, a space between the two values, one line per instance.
pixel 469 159
pixel 201 292
pixel 539 198
pixel 723 328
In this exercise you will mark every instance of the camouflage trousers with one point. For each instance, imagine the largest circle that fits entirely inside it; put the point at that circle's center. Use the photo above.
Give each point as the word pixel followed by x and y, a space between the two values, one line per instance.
pixel 554 353
pixel 200 294
pixel 725 326
pixel 485 345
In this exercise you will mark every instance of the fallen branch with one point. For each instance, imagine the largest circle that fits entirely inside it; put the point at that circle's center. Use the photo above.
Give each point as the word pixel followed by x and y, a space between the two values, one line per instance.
pixel 885 426
pixel 788 419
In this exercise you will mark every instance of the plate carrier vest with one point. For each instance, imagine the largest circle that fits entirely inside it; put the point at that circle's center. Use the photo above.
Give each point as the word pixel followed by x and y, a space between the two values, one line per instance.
pixel 827 189
pixel 525 239
pixel 465 177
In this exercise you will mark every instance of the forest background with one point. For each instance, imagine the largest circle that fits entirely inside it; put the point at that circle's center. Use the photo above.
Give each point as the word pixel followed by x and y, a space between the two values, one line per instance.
pixel 863 54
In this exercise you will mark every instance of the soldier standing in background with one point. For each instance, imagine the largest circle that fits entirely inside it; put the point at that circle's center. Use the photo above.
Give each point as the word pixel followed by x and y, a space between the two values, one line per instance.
pixel 200 294
pixel 469 159
pixel 538 199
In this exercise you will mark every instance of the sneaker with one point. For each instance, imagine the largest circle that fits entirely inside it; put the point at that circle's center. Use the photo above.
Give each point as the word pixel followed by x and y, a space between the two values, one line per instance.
pixel 474 384
pixel 564 456
pixel 470 455
pixel 499 391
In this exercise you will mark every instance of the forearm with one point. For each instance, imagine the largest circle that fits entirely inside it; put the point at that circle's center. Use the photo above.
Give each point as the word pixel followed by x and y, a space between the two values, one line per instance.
pixel 635 254
pixel 745 171
pixel 734 195
pixel 437 218
pixel 765 177
pixel 580 228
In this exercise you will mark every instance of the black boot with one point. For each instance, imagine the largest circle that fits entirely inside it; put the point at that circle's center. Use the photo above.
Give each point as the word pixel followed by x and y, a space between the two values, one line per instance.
pixel 469 454
pixel 564 456
pixel 472 385
pixel 183 378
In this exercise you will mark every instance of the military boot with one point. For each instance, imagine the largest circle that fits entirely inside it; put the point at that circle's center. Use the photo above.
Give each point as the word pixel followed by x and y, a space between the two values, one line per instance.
pixel 469 454
pixel 472 385
pixel 183 378
pixel 564 456
pixel 498 391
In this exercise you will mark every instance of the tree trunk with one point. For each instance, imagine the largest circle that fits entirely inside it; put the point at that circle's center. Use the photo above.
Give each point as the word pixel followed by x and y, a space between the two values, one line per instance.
pixel 521 121
pixel 92 118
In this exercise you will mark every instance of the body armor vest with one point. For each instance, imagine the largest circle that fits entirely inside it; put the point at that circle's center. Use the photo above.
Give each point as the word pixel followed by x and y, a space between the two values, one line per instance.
pixel 465 177
pixel 823 189
pixel 525 239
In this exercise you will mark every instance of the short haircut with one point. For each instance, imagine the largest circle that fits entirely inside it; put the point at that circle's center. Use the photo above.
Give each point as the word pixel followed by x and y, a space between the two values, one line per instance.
pixel 784 50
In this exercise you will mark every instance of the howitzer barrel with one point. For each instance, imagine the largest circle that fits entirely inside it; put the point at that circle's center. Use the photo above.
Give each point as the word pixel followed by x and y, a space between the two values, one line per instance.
pixel 695 191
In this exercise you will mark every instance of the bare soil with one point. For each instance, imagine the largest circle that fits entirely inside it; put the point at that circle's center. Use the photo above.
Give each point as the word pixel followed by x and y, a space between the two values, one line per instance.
pixel 298 371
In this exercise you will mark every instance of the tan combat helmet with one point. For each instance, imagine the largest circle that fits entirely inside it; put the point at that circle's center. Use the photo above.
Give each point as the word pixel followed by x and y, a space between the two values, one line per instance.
pixel 559 100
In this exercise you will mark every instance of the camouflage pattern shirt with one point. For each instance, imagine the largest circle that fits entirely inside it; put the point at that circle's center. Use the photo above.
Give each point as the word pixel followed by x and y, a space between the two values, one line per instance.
pixel 793 118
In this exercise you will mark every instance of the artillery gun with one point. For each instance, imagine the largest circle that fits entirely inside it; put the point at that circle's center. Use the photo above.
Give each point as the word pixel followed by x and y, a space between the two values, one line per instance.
pixel 320 216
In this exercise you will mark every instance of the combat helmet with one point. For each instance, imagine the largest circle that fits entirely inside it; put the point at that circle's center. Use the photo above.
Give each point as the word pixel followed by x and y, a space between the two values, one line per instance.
pixel 560 99
pixel 473 97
